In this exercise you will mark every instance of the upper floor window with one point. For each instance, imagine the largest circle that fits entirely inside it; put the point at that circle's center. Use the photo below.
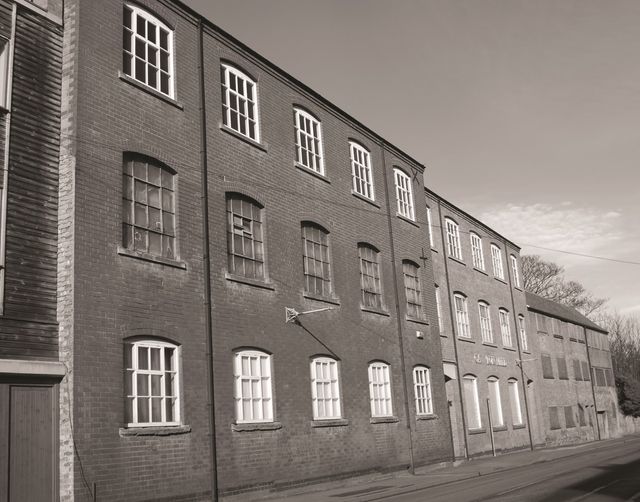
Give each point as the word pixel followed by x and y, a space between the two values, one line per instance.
pixel 453 239
pixel 148 207
pixel 429 227
pixel 496 261
pixel 476 251
pixel 362 177
pixel 325 388
pixel 439 308
pixel 404 194
pixel 370 284
pixel 514 269
pixel 252 384
pixel 514 398
pixel 485 322
pixel 245 242
pixel 308 141
pixel 315 253
pixel 541 323
pixel 547 366
pixel 524 342
pixel 422 390
pixel 380 390
pixel 148 50
pixel 412 290
pixel 462 316
pixel 495 403
pixel 152 383
pixel 240 102
pixel 5 46
pixel 505 328
pixel 472 402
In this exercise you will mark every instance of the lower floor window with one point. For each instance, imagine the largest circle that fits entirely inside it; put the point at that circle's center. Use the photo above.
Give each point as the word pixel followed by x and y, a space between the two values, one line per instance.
pixel 152 372
pixel 472 402
pixel 495 402
pixel 422 390
pixel 380 390
pixel 253 394
pixel 325 388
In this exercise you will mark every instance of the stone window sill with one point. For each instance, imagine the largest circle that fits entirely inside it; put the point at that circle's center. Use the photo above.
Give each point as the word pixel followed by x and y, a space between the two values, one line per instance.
pixel 333 422
pixel 149 90
pixel 408 220
pixel 168 430
pixel 500 280
pixel 416 320
pixel 244 138
pixel 334 300
pixel 250 282
pixel 476 431
pixel 481 271
pixel 457 260
pixel 365 199
pixel 464 339
pixel 512 349
pixel 384 420
pixel 373 310
pixel 500 428
pixel 260 426
pixel 433 416
pixel 519 426
pixel 151 258
pixel 313 173
pixel 490 344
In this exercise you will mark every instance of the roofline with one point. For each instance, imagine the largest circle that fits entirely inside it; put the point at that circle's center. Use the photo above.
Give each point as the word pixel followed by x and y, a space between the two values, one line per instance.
pixel 595 327
pixel 472 218
pixel 302 86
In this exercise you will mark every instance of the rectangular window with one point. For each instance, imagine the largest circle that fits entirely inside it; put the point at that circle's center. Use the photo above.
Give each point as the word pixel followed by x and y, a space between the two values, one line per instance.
pixel 524 341
pixel 462 316
pixel 609 377
pixel 253 395
pixel 315 251
pixel 514 269
pixel 569 419
pixel 245 242
pixel 585 371
pixel 362 177
pixel 577 374
pixel 380 390
pixel 308 141
pixel 472 402
pixel 485 322
pixel 439 309
pixel 563 374
pixel 554 418
pixel 422 390
pixel 547 366
pixel 5 47
pixel 404 194
pixel 476 251
pixel 600 379
pixel 148 50
pixel 505 328
pixel 240 102
pixel 429 227
pixel 370 285
pixel 581 416
pixel 325 389
pixel 412 289
pixel 453 239
pixel 514 397
pixel 496 260
pixel 495 403
pixel 541 323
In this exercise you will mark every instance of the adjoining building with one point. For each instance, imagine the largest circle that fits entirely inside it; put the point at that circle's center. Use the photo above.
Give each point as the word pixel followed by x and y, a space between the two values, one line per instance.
pixel 577 395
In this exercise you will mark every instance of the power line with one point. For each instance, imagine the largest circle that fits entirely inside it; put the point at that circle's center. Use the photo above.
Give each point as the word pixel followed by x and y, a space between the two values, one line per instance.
pixel 583 255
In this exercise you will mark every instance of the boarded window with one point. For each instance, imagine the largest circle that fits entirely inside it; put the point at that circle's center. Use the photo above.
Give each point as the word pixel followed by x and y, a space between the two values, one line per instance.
pixel 585 371
pixel 577 374
pixel 581 416
pixel 541 323
pixel 554 419
pixel 547 366
pixel 563 374
pixel 609 377
pixel 599 377
pixel 568 417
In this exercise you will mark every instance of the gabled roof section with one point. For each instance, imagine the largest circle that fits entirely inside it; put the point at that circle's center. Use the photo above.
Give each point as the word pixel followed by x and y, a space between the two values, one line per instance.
pixel 559 311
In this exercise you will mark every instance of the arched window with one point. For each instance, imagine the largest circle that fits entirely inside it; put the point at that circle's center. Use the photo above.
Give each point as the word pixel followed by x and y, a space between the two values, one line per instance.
pixel 496 261
pixel 148 207
pixel 453 238
pixel 316 260
pixel 505 328
pixel 495 403
pixel 308 141
pixel 362 177
pixel 439 308
pixel 404 194
pixel 412 290
pixel 245 237
pixel 514 270
pixel 325 388
pixel 462 315
pixel 152 383
pixel 422 390
pixel 380 389
pixel 253 386
pixel 370 284
pixel 476 251
pixel 485 322
pixel 240 102
pixel 514 397
pixel 524 342
pixel 148 50
pixel 472 402
pixel 429 227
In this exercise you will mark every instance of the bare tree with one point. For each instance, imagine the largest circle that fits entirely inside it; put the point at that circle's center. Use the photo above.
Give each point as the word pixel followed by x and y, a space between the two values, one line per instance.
pixel 624 343
pixel 546 279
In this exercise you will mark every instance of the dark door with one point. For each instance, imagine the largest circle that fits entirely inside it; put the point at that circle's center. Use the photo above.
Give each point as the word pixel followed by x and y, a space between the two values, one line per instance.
pixel 28 442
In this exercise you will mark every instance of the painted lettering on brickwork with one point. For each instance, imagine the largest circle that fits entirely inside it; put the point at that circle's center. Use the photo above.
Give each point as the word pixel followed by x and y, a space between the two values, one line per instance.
pixel 490 360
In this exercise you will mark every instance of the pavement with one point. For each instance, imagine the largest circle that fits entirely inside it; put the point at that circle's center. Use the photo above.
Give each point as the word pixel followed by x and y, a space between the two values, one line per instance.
pixel 425 477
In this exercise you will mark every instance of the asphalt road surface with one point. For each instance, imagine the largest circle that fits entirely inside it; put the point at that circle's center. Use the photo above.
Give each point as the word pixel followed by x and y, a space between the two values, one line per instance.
pixel 608 473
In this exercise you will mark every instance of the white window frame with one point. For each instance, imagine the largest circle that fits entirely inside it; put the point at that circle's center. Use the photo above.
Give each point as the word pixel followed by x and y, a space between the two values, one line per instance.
pixel 496 261
pixel 472 402
pixel 485 322
pixel 404 194
pixel 524 342
pixel 505 327
pixel 514 269
pixel 325 389
pixel 380 389
pixel 133 371
pixel 429 227
pixel 462 315
pixel 514 397
pixel 250 103
pixel 253 384
pixel 309 149
pixel 361 172
pixel 495 402
pixel 477 254
pixel 439 307
pixel 5 57
pixel 453 238
pixel 422 390
pixel 137 12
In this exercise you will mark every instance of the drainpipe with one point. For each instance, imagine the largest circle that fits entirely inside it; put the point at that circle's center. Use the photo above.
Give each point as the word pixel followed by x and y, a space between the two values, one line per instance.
pixel 591 378
pixel 454 334
pixel 515 320
pixel 206 264
pixel 403 366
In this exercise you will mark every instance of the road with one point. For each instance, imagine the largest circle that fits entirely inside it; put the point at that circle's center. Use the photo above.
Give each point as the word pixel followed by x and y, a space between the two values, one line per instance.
pixel 600 472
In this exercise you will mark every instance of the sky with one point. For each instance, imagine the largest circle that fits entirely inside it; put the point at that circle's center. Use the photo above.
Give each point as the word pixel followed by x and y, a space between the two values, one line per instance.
pixel 526 113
